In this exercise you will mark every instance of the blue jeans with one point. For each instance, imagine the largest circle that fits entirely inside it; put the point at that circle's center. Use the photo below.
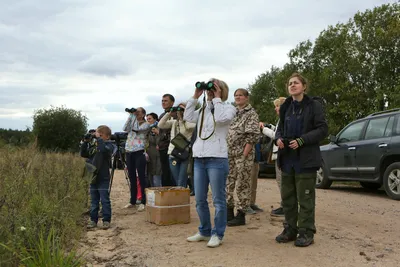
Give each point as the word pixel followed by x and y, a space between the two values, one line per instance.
pixel 213 172
pixel 179 171
pixel 99 192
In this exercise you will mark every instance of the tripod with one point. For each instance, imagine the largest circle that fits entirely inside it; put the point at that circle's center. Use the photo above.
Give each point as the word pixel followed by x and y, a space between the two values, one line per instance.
pixel 117 155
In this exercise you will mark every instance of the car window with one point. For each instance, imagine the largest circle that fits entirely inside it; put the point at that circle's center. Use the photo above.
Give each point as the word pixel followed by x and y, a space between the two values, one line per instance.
pixel 376 128
pixel 352 133
pixel 397 130
pixel 389 127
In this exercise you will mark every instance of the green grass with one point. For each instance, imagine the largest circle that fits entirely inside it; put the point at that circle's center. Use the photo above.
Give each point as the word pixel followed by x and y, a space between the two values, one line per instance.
pixel 42 198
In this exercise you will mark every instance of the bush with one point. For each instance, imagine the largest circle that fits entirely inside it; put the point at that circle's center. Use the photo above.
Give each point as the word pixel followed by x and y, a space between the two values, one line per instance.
pixel 59 128
pixel 42 195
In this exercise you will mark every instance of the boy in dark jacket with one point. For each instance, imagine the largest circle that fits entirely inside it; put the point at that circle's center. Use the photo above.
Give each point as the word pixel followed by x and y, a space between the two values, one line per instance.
pixel 98 167
pixel 302 126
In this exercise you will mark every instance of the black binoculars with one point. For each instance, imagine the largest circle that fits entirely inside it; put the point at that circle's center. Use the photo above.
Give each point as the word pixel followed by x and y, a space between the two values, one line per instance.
pixel 205 85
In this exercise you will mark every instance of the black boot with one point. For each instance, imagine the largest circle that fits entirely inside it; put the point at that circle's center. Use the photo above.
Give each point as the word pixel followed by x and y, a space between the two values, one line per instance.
pixel 288 234
pixel 304 239
pixel 230 214
pixel 240 219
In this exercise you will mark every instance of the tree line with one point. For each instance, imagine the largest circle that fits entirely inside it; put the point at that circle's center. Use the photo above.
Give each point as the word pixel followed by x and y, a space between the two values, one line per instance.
pixel 354 66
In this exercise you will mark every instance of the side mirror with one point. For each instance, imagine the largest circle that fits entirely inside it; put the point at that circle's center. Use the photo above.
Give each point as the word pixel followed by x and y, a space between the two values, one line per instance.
pixel 333 139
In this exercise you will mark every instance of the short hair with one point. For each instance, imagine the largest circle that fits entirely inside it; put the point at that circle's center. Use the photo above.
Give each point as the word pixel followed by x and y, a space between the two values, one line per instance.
pixel 171 97
pixel 279 101
pixel 154 115
pixel 104 129
pixel 224 88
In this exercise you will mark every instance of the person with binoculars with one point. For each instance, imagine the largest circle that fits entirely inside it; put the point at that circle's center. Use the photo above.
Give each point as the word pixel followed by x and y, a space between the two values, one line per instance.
pixel 210 153
pixel 153 139
pixel 137 129
pixel 301 127
pixel 178 151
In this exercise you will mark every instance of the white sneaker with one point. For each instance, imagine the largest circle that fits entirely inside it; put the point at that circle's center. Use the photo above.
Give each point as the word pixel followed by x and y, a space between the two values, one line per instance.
pixel 197 238
pixel 129 205
pixel 140 207
pixel 214 242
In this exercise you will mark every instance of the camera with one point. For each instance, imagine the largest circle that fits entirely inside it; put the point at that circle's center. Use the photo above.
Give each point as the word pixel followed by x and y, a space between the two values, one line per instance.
pixel 270 126
pixel 174 109
pixel 205 85
pixel 154 125
pixel 130 110
pixel 119 137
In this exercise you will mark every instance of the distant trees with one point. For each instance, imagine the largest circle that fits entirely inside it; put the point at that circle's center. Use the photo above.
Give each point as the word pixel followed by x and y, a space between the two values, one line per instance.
pixel 355 66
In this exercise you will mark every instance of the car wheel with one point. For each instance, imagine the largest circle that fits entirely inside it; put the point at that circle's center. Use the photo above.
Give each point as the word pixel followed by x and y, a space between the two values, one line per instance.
pixel 391 180
pixel 322 181
pixel 370 186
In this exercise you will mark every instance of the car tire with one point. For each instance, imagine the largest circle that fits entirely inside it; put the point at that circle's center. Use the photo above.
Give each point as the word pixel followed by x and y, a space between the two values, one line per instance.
pixel 322 181
pixel 370 186
pixel 391 180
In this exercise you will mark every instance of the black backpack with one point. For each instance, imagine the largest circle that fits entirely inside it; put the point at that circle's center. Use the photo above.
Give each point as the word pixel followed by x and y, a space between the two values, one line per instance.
pixel 322 101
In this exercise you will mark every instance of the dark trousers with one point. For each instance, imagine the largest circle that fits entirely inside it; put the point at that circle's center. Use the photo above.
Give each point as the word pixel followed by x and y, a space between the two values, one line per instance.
pixel 166 179
pixel 136 161
pixel 298 199
pixel 99 193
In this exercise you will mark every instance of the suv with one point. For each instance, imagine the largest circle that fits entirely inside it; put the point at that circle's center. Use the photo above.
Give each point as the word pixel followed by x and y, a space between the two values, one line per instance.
pixel 367 151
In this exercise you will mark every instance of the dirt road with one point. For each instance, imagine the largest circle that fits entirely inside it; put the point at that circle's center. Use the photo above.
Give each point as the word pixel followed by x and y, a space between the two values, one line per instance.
pixel 354 228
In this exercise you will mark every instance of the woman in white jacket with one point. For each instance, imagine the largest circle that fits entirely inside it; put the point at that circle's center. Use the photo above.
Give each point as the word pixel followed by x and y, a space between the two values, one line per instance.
pixel 270 132
pixel 210 155
pixel 179 125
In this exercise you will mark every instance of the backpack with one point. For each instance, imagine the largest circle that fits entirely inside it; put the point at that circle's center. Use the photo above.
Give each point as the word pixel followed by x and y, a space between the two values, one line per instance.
pixel 322 101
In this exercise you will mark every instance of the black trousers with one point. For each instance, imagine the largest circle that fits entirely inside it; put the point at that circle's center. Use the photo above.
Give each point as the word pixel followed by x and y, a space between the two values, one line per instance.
pixel 137 161
pixel 166 177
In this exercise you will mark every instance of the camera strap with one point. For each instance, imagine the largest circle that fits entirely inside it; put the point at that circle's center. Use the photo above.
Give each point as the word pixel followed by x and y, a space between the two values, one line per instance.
pixel 203 108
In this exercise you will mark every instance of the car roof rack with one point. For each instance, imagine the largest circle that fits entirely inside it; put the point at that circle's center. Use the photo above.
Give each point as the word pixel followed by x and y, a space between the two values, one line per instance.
pixel 384 111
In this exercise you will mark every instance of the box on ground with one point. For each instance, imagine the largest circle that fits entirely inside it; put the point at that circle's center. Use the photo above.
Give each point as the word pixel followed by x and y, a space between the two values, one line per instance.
pixel 167 205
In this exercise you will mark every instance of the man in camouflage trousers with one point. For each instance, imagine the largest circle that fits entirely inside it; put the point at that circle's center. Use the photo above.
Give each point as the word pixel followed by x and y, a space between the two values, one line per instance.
pixel 242 135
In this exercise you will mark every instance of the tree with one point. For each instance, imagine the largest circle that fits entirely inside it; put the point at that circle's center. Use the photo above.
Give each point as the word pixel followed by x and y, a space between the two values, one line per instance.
pixel 354 66
pixel 59 128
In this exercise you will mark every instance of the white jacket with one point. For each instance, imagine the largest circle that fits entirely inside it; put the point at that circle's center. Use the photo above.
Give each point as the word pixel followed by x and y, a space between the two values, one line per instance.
pixel 185 128
pixel 216 145
pixel 271 134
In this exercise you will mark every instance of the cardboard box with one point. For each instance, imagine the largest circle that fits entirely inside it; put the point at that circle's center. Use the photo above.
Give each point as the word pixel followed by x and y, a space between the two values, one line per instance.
pixel 167 205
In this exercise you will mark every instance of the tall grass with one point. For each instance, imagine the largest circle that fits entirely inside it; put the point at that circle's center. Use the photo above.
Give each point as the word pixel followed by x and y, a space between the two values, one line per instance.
pixel 42 198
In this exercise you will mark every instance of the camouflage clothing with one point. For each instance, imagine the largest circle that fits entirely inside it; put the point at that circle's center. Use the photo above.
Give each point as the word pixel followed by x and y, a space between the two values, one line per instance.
pixel 243 130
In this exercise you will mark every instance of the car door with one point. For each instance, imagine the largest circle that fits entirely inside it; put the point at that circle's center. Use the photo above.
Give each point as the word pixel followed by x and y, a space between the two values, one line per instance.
pixel 374 146
pixel 341 157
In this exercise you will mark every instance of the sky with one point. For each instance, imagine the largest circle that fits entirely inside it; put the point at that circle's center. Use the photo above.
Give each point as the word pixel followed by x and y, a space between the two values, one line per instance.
pixel 101 56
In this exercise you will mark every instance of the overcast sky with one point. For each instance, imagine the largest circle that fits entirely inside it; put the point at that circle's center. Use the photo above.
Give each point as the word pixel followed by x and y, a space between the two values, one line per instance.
pixel 100 56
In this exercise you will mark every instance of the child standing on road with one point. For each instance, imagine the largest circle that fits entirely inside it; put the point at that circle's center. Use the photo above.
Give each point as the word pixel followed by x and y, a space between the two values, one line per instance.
pixel 98 167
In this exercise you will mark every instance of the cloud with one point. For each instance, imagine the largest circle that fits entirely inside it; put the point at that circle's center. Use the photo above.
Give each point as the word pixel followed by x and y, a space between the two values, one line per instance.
pixel 102 56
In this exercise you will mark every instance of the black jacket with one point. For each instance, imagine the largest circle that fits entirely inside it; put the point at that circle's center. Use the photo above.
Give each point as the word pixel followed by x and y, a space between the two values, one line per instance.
pixel 99 154
pixel 315 129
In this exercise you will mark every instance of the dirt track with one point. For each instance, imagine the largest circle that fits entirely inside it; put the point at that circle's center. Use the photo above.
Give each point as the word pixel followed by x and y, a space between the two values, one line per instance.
pixel 354 228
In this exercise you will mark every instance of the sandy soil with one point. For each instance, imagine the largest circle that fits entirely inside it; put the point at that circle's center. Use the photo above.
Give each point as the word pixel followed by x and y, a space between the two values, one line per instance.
pixel 354 228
